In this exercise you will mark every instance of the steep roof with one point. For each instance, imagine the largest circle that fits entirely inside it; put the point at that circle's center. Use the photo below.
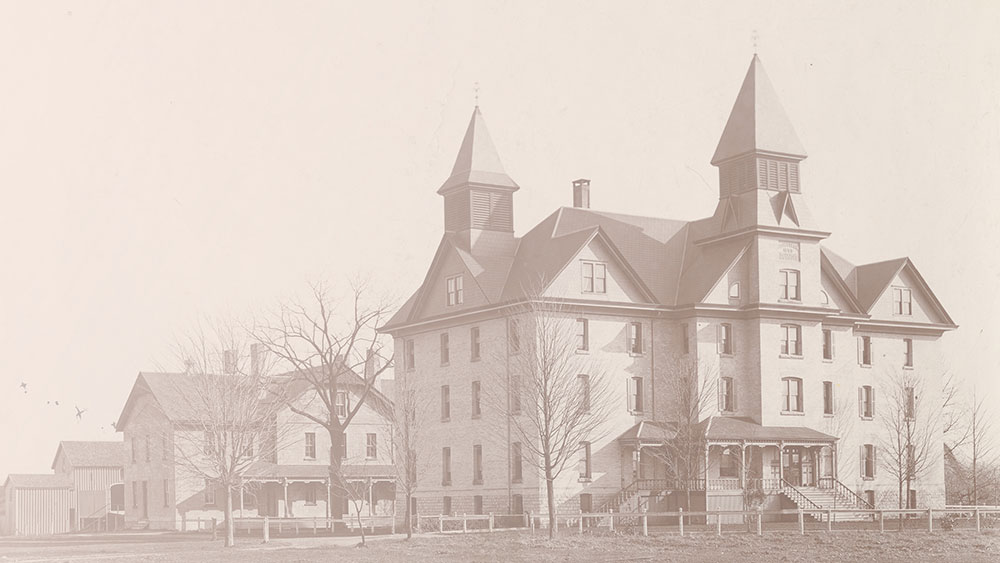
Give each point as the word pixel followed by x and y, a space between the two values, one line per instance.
pixel 38 481
pixel 478 161
pixel 757 122
pixel 91 454
pixel 871 280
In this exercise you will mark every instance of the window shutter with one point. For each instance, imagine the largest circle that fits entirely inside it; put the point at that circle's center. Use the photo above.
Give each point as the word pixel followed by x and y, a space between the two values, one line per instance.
pixel 874 461
pixel 631 394
pixel 718 337
pixel 861 457
pixel 873 402
pixel 833 352
pixel 861 402
pixel 861 351
pixel 732 391
pixel 722 394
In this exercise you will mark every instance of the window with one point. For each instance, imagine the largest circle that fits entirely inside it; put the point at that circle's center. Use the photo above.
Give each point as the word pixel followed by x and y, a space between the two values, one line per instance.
pixel 310 494
pixel 477 464
pixel 408 359
pixel 517 504
pixel 594 277
pixel 582 335
pixel 586 503
pixel 455 294
pixel 635 338
pixel 310 452
pixel 635 394
pixel 866 402
pixel 911 403
pixel 870 498
pixel 734 290
pixel 685 339
pixel 515 462
pixel 135 495
pixel 868 462
pixel 902 301
pixel 445 353
pixel 584 463
pixel 445 466
pixel 827 397
pixel 513 336
pixel 371 446
pixel 474 341
pixel 477 504
pixel 476 407
pixel 727 465
pixel 827 344
pixel 725 338
pixel 209 492
pixel 341 404
pixel 791 340
pixel 727 394
pixel 790 285
pixel 584 381
pixel 147 448
pixel 792 394
pixel 865 350
pixel 907 352
pixel 135 447
pixel 166 493
pixel 446 505
pixel 445 403
pixel 343 445
pixel 515 393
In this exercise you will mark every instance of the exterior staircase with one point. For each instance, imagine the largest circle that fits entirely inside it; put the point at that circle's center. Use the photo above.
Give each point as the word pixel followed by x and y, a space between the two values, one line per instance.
pixel 832 494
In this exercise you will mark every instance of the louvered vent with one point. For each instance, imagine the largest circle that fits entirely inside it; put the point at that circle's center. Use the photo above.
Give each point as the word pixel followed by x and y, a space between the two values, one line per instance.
pixel 492 211
pixel 777 175
pixel 456 211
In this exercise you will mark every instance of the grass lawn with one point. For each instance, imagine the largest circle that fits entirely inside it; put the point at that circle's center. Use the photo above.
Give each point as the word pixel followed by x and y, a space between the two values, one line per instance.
pixel 503 547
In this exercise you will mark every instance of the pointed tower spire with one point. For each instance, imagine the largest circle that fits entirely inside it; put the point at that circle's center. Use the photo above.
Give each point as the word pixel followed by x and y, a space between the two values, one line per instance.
pixel 758 123
pixel 478 161
pixel 479 195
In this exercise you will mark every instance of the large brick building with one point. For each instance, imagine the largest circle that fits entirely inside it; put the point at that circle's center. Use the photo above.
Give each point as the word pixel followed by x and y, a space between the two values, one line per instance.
pixel 795 341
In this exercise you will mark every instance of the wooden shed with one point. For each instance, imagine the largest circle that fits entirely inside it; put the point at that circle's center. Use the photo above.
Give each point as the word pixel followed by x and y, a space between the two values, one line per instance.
pixel 36 505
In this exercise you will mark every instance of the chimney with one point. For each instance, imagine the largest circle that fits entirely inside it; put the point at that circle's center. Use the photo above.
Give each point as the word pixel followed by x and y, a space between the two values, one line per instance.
pixel 370 364
pixel 229 362
pixel 255 359
pixel 581 193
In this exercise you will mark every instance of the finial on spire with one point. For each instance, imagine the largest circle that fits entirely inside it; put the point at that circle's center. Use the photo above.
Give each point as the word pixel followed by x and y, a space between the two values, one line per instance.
pixel 476 89
pixel 754 37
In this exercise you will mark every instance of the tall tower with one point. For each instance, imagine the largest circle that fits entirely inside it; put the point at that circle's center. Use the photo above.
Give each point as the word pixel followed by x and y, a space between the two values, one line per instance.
pixel 479 195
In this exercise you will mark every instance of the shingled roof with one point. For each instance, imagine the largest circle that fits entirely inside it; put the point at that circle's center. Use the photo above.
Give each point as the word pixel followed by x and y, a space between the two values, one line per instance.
pixel 91 454
pixel 38 481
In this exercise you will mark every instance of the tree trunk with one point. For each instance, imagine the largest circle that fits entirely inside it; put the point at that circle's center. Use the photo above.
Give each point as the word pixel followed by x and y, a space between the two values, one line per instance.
pixel 336 511
pixel 409 528
pixel 230 539
pixel 551 498
pixel 361 526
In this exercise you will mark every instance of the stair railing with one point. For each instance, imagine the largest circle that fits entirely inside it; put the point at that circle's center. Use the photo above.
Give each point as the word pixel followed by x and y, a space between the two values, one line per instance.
pixel 846 491
pixel 797 496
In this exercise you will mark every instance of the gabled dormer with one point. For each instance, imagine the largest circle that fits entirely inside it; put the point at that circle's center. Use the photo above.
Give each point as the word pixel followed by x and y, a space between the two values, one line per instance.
pixel 479 195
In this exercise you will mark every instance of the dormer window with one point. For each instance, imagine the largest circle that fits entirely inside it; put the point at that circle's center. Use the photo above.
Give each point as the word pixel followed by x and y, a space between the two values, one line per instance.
pixel 734 290
pixel 790 285
pixel 455 296
pixel 594 277
pixel 902 303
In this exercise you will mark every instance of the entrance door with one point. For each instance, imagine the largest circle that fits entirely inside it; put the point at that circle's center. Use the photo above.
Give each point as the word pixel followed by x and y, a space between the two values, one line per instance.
pixel 808 469
pixel 791 465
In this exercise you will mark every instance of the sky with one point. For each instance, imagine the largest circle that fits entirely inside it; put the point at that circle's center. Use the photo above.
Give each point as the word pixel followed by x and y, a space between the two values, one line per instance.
pixel 163 162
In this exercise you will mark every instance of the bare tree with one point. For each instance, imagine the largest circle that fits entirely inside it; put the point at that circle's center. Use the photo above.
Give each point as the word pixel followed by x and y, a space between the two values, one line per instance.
pixel 325 343
pixel 407 436
pixel 232 418
pixel 980 446
pixel 555 399
pixel 911 426
pixel 694 389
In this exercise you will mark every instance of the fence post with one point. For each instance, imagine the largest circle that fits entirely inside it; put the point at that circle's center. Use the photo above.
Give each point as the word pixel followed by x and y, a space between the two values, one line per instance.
pixel 829 520
pixel 802 523
pixel 531 519
pixel 978 529
pixel 930 519
pixel 441 523
pixel 465 522
pixel 267 530
pixel 214 532
pixel 760 520
pixel 611 518
pixel 581 521
pixel 491 521
pixel 680 520
pixel 645 523
pixel 718 522
pixel 881 522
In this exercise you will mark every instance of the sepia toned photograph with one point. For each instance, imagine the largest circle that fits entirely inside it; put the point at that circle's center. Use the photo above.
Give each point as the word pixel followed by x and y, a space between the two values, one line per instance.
pixel 467 281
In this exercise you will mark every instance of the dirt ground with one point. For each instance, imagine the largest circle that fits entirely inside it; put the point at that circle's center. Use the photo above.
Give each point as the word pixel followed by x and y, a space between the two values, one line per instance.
pixel 964 546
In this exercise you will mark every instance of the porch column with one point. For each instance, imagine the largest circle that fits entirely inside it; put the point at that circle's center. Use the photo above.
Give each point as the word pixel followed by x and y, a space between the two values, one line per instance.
pixel 241 500
pixel 833 457
pixel 329 510
pixel 743 465
pixel 371 498
pixel 708 447
pixel 781 464
pixel 284 486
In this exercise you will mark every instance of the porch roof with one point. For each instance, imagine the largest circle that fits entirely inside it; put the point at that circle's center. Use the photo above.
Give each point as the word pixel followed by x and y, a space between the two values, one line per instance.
pixel 729 429
pixel 316 472
pixel 647 432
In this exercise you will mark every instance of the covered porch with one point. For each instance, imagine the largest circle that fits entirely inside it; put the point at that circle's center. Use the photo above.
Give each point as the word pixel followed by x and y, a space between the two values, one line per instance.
pixel 305 491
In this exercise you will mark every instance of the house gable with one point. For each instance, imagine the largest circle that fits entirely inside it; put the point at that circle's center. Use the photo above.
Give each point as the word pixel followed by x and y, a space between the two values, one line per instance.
pixel 621 283
pixel 925 307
